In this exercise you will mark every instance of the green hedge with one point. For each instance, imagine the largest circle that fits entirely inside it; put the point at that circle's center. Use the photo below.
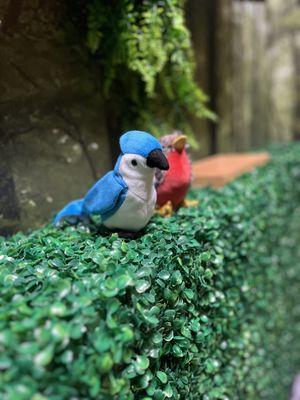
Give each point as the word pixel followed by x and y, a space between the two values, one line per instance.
pixel 205 305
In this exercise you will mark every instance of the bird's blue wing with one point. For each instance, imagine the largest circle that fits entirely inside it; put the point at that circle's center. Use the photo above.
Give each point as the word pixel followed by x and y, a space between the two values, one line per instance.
pixel 106 196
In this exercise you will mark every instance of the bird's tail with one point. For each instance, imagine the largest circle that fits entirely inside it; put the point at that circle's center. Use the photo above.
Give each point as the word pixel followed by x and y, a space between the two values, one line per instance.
pixel 72 213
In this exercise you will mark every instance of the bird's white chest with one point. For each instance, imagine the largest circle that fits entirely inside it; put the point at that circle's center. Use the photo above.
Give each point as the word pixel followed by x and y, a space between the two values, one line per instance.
pixel 136 210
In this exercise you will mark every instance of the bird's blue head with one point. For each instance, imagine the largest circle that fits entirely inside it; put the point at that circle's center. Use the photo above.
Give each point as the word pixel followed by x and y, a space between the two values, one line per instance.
pixel 144 146
pixel 138 142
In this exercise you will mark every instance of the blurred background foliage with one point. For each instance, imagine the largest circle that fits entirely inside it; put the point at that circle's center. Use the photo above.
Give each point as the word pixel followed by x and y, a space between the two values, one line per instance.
pixel 145 51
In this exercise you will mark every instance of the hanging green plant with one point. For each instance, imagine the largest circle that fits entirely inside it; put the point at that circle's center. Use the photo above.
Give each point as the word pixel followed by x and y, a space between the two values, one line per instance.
pixel 146 53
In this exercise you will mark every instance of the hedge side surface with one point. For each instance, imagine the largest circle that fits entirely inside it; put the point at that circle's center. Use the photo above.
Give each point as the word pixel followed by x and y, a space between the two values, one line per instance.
pixel 205 305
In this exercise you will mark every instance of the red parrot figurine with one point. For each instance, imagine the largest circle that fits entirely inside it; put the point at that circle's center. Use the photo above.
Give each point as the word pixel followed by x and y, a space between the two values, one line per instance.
pixel 173 185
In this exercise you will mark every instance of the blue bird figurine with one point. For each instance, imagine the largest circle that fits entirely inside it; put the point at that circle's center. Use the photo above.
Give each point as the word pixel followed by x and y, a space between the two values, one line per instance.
pixel 125 197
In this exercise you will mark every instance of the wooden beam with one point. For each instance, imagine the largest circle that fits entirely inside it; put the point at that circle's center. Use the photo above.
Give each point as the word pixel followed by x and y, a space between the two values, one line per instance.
pixel 216 171
pixel 212 68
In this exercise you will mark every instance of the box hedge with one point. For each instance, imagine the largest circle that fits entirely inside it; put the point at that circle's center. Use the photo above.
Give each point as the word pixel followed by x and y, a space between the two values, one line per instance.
pixel 205 305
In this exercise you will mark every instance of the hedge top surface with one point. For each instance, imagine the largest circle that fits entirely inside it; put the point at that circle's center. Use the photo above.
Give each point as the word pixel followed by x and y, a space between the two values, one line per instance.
pixel 193 309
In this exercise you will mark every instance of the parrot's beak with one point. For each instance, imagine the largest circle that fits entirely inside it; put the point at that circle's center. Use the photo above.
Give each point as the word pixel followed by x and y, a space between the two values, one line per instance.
pixel 179 143
pixel 157 159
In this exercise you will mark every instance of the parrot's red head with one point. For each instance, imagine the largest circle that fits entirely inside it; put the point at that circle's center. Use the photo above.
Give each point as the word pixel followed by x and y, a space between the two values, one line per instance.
pixel 174 183
pixel 176 142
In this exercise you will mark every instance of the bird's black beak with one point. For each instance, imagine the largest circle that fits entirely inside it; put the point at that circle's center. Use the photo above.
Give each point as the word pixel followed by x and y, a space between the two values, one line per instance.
pixel 157 159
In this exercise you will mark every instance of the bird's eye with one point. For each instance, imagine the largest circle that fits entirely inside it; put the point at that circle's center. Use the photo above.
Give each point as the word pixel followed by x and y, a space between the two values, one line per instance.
pixel 134 163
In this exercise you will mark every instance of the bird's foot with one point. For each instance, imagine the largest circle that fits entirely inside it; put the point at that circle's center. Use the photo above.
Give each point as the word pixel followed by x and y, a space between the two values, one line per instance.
pixel 128 235
pixel 166 210
pixel 189 203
